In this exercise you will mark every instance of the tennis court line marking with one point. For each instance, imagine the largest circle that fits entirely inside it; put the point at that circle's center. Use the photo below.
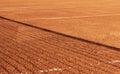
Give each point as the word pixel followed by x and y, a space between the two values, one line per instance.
pixel 75 17
pixel 32 7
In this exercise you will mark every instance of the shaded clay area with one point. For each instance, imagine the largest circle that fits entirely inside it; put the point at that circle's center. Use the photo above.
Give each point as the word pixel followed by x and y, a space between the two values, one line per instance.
pixel 27 50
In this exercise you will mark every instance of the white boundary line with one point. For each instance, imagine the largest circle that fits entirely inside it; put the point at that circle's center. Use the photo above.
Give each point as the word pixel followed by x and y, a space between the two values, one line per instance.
pixel 32 7
pixel 75 17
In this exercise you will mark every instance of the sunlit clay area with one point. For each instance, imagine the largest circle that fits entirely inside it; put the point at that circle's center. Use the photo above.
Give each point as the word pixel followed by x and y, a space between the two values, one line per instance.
pixel 59 36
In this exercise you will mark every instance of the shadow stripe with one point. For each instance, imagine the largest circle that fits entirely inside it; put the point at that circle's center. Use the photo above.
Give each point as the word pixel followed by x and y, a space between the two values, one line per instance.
pixel 73 37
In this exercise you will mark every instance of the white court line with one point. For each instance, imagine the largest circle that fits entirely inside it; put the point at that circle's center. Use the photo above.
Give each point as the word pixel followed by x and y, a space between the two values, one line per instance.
pixel 33 7
pixel 115 61
pixel 75 17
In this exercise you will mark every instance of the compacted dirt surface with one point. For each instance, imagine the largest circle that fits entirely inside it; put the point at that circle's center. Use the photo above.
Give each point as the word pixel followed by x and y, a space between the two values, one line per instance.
pixel 25 49
pixel 95 20
pixel 59 37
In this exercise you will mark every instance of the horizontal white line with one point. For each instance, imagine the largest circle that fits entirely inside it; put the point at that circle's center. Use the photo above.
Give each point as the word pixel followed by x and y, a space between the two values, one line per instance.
pixel 75 17
pixel 115 61
pixel 31 7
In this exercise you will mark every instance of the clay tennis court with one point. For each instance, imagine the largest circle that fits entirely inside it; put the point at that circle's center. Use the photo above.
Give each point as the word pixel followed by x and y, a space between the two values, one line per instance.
pixel 59 37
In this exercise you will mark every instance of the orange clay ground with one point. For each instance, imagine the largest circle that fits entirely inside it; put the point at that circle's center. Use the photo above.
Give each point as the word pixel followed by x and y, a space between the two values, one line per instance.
pixel 31 41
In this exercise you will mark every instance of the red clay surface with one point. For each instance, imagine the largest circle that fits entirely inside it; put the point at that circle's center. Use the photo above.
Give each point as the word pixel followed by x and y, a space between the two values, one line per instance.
pixel 27 50
pixel 89 19
pixel 30 50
